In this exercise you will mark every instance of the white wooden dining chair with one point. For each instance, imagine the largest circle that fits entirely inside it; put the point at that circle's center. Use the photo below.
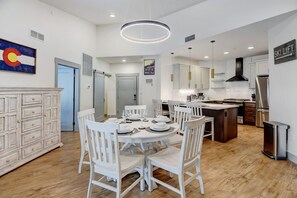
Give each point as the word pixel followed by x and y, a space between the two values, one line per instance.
pixel 197 111
pixel 181 115
pixel 82 117
pixel 180 161
pixel 135 109
pixel 107 161
pixel 171 105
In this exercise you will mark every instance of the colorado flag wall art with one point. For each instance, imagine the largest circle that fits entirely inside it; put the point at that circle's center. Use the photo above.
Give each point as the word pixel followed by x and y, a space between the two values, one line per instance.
pixel 15 57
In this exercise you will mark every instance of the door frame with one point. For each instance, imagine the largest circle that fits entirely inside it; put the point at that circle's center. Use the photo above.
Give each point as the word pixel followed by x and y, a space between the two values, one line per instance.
pixel 95 72
pixel 117 88
pixel 73 65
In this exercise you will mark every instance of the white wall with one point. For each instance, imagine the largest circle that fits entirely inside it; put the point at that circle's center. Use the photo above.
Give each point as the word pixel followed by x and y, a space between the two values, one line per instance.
pixel 66 37
pixel 283 81
pixel 147 91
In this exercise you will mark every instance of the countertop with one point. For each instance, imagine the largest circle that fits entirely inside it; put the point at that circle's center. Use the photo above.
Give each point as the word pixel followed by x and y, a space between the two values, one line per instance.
pixel 212 106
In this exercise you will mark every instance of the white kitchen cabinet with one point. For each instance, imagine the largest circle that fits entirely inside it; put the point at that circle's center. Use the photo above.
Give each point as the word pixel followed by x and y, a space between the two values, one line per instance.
pixel 257 68
pixel 204 78
pixel 190 77
pixel 262 67
pixel 26 131
pixel 181 76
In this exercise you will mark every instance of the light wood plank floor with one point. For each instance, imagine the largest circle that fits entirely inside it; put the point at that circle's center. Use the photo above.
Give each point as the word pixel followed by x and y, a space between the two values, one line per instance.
pixel 233 169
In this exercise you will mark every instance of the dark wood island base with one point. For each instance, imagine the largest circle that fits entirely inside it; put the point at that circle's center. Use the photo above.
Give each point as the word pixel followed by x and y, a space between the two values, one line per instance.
pixel 225 123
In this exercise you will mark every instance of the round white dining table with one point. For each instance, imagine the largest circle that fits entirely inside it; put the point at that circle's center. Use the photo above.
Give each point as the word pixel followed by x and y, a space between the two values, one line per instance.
pixel 143 137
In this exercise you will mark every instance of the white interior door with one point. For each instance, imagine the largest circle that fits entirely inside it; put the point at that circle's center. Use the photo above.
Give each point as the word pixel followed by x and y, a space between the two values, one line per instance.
pixel 99 98
pixel 127 91
pixel 66 80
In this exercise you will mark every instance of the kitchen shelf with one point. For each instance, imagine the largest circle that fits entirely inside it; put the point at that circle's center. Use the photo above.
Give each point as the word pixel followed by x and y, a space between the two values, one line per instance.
pixel 218 80
pixel 218 87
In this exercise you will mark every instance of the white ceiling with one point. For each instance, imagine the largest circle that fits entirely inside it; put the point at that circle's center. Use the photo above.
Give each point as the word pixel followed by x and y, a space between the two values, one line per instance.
pixel 235 41
pixel 98 11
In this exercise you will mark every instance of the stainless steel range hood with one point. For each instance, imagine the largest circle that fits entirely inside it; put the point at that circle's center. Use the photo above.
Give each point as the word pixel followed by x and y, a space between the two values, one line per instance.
pixel 238 72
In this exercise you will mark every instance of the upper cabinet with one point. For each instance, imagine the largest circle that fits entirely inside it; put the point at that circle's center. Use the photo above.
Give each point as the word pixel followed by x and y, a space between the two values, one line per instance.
pixel 257 68
pixel 190 77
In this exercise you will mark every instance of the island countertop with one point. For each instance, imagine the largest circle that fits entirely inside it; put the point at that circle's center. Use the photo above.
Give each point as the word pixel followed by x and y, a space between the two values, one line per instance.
pixel 210 106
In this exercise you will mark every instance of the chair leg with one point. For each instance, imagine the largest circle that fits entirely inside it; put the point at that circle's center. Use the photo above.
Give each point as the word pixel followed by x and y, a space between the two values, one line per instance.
pixel 150 175
pixel 82 155
pixel 212 130
pixel 200 179
pixel 142 180
pixel 181 185
pixel 119 188
pixel 89 193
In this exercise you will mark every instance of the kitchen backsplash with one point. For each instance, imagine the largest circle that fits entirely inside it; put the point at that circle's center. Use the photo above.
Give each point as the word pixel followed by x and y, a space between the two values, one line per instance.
pixel 232 90
pixel 239 90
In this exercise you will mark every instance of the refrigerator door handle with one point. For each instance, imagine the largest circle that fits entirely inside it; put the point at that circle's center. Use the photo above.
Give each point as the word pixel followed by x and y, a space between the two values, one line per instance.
pixel 268 93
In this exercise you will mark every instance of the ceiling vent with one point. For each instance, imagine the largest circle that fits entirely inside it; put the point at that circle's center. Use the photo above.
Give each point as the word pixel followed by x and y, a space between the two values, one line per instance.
pixel 36 35
pixel 190 38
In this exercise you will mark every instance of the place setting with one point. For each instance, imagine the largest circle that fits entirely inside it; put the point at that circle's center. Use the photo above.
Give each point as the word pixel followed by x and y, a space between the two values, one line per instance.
pixel 159 127
pixel 162 119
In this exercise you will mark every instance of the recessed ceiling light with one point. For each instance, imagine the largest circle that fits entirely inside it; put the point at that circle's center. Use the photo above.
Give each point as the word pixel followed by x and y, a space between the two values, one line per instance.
pixel 124 60
pixel 112 15
pixel 251 47
pixel 206 57
pixel 226 53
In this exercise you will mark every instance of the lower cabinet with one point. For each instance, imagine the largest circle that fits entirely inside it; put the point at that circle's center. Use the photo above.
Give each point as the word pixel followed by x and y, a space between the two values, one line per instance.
pixel 29 125
pixel 249 116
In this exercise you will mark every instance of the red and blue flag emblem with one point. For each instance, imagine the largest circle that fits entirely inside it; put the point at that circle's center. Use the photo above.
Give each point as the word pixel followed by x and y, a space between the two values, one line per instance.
pixel 15 57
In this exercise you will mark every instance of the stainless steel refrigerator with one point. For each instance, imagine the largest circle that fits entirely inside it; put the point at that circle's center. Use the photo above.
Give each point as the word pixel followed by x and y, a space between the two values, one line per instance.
pixel 262 100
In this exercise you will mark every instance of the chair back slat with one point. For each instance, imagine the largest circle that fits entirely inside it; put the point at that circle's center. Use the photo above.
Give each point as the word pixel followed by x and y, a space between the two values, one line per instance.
pixel 196 108
pixel 157 106
pixel 182 114
pixel 193 139
pixel 135 109
pixel 103 144
pixel 82 117
pixel 171 105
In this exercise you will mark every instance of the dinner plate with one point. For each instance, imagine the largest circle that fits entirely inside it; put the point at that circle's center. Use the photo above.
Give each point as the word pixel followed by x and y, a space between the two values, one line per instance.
pixel 167 121
pixel 125 130
pixel 134 119
pixel 159 129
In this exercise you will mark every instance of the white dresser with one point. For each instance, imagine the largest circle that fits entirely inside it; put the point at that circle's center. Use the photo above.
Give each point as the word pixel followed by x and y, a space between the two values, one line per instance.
pixel 29 125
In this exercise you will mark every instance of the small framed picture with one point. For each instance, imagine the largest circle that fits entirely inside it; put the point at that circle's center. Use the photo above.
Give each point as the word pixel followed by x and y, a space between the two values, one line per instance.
pixel 149 66
pixel 17 58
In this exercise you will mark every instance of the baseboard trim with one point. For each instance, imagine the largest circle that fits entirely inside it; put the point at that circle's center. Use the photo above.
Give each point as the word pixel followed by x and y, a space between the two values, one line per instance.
pixel 292 158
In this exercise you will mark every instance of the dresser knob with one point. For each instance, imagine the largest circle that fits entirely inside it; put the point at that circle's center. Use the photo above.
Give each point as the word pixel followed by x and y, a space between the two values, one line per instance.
pixel 7 161
pixel 33 99
pixel 33 111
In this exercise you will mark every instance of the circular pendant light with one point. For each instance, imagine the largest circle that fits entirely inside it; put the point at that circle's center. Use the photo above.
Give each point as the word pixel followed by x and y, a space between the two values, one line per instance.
pixel 145 31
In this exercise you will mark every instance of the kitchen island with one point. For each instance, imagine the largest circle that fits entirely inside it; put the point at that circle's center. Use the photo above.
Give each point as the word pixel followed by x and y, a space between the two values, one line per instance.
pixel 225 120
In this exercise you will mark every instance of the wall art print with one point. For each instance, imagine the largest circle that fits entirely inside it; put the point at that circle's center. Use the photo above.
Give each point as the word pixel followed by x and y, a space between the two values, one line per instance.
pixel 149 66
pixel 17 58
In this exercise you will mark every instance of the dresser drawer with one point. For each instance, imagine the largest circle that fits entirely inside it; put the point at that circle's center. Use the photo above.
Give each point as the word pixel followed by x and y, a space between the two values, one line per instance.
pixel 30 150
pixel 28 112
pixel 31 137
pixel 9 159
pixel 51 141
pixel 32 99
pixel 31 124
